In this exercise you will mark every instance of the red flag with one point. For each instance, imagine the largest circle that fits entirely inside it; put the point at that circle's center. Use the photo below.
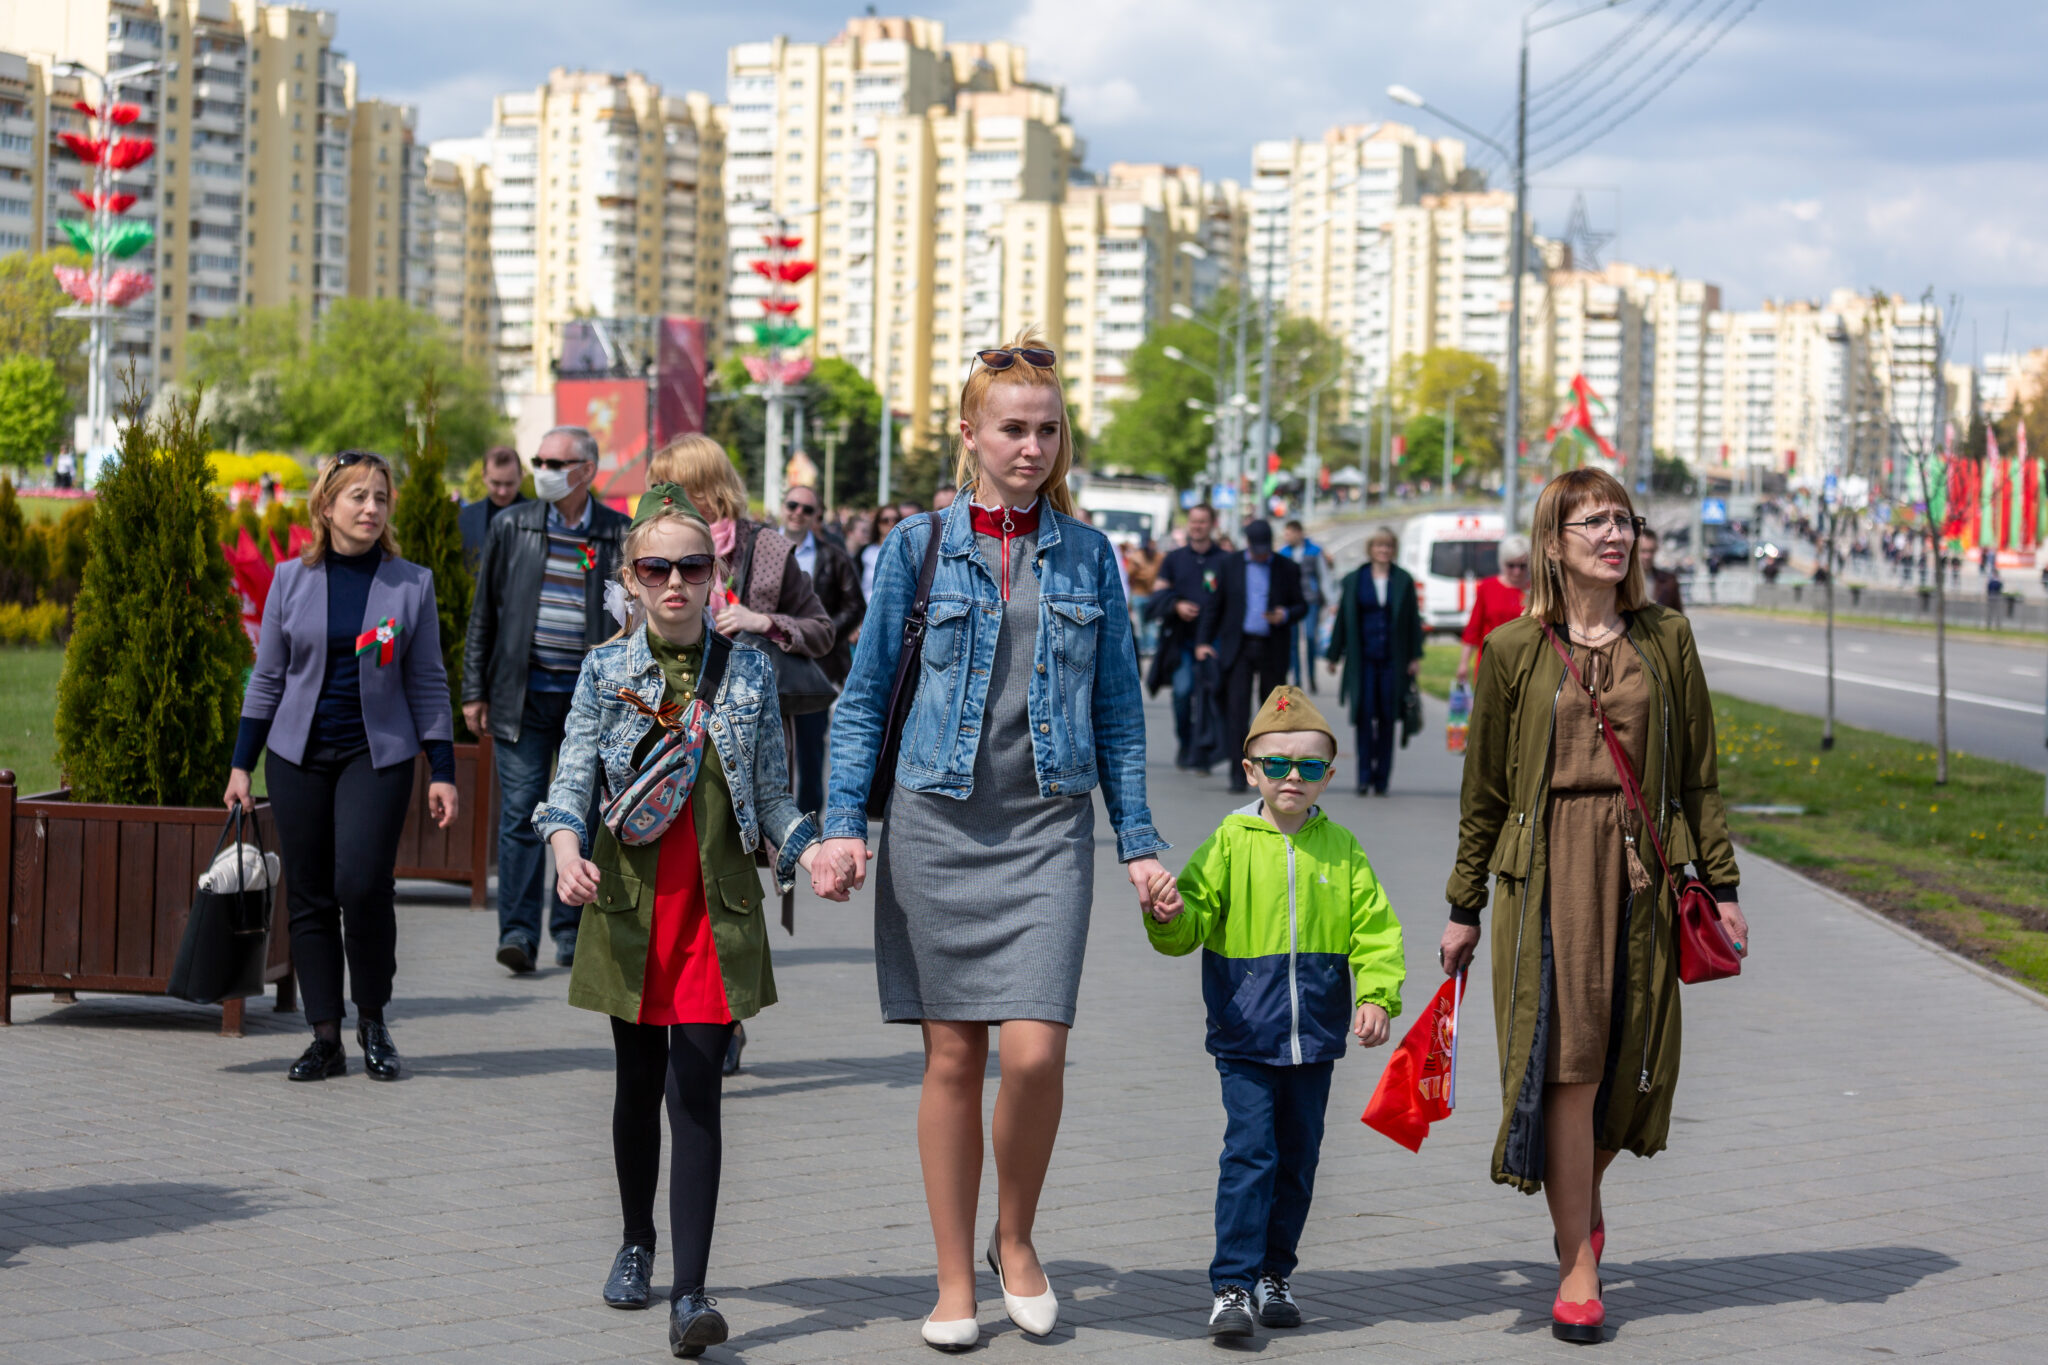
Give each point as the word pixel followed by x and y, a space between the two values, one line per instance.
pixel 1419 1086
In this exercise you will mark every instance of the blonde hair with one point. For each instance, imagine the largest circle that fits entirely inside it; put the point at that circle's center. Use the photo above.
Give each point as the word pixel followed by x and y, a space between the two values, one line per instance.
pixel 629 550
pixel 706 473
pixel 336 478
pixel 1562 498
pixel 974 400
pixel 1385 533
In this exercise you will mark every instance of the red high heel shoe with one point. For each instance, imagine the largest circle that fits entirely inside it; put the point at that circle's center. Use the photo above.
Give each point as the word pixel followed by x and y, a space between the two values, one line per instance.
pixel 1579 1323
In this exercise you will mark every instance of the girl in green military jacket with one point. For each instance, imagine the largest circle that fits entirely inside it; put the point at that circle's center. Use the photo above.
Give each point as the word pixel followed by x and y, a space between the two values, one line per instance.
pixel 673 945
pixel 1585 980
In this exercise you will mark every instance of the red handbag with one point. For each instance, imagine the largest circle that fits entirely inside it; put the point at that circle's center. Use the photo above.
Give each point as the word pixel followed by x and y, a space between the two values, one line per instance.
pixel 1705 952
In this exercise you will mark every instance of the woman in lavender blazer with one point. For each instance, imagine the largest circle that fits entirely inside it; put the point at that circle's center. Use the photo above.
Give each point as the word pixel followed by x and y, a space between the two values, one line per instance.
pixel 348 688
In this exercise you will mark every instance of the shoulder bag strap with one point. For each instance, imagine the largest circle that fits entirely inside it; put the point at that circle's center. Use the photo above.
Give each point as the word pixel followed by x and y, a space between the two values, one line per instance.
pixel 1629 785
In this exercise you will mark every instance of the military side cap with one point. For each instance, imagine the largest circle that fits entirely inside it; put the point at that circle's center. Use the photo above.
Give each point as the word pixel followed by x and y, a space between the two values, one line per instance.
pixel 660 498
pixel 1288 708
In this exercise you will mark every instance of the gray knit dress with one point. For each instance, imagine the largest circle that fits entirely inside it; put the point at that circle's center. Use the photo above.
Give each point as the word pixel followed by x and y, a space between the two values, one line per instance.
pixel 981 905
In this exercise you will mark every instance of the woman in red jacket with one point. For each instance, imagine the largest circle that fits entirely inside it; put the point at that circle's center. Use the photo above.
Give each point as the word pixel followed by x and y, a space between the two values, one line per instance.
pixel 1499 601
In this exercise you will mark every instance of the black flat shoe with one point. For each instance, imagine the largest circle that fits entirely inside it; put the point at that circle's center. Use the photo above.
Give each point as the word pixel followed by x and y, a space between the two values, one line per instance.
pixel 319 1061
pixel 632 1269
pixel 380 1054
pixel 694 1322
pixel 517 957
pixel 734 1046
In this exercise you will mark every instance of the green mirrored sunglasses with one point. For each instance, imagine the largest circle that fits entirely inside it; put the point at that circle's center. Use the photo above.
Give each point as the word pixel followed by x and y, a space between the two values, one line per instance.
pixel 1276 768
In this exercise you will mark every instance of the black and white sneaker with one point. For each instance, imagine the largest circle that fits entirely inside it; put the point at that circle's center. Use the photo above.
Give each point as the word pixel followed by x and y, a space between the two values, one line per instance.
pixel 1232 1315
pixel 1275 1301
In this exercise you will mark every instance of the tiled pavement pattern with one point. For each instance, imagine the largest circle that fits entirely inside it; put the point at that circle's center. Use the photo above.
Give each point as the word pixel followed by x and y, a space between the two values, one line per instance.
pixel 1857 1171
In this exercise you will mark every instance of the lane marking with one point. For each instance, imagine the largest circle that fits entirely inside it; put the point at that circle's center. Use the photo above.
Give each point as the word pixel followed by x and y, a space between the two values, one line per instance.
pixel 1866 680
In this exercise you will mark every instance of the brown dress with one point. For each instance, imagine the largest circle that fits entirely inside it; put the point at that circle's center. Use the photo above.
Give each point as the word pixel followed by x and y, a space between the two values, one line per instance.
pixel 1588 860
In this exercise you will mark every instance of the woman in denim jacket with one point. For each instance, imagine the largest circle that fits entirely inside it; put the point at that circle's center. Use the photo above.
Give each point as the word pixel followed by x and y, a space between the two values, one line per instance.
pixel 1027 700
pixel 672 945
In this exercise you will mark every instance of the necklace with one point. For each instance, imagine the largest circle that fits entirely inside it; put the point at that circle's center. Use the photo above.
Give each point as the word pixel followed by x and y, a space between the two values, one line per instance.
pixel 1587 638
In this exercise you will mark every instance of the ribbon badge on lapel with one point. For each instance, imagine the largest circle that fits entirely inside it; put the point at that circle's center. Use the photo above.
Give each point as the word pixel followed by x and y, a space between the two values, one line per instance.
pixel 586 558
pixel 383 639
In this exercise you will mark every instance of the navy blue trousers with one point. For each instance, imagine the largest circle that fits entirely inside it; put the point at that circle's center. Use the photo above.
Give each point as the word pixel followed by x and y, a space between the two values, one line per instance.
pixel 1271 1143
pixel 1382 684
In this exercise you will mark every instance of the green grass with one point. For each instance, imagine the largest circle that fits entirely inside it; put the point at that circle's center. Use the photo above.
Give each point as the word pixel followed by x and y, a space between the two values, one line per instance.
pixel 28 705
pixel 36 509
pixel 1439 668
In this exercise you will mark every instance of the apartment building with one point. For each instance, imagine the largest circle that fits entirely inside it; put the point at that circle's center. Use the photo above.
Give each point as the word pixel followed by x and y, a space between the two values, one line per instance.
pixel 298 159
pixel 386 204
pixel 456 241
pixel 24 118
pixel 1600 328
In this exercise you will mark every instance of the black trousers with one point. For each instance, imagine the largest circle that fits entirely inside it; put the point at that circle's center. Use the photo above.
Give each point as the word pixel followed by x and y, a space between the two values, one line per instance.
pixel 1258 668
pixel 338 822
pixel 813 739
pixel 1381 686
pixel 682 1062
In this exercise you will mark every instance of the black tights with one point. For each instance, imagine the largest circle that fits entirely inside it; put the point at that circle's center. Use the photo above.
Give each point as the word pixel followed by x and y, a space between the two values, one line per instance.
pixel 682 1061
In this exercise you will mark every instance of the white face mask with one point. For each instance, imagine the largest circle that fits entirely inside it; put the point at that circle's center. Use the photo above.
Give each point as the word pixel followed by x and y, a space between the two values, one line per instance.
pixel 551 485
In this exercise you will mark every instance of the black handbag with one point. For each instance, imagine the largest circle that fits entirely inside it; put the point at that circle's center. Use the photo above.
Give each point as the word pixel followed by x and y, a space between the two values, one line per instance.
pixel 909 661
pixel 801 686
pixel 227 934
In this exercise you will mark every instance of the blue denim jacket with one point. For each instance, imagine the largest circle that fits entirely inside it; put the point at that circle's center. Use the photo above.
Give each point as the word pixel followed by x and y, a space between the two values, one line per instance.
pixel 745 728
pixel 1087 717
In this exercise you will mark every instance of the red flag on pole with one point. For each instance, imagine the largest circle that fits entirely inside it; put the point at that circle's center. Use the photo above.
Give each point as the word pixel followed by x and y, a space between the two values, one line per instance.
pixel 1420 1084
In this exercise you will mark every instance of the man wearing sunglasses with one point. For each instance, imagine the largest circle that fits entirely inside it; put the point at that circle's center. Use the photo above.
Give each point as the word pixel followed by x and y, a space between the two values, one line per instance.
pixel 836 580
pixel 539 605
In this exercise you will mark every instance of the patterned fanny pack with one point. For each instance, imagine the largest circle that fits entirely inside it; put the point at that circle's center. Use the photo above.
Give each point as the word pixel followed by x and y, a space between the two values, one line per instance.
pixel 650 803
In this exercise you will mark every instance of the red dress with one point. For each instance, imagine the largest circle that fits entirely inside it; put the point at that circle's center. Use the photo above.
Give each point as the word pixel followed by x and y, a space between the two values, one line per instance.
pixel 683 983
pixel 1496 605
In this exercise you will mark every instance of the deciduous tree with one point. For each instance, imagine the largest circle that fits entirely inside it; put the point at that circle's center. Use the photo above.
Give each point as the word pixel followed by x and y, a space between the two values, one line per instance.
pixel 33 406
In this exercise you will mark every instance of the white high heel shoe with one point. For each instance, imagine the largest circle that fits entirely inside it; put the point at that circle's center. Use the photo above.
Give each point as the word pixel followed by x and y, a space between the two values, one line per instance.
pixel 1036 1314
pixel 961 1334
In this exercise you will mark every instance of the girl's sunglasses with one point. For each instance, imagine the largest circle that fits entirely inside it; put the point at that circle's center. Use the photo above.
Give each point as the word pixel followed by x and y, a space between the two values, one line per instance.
pixel 653 571
pixel 1311 769
pixel 1003 357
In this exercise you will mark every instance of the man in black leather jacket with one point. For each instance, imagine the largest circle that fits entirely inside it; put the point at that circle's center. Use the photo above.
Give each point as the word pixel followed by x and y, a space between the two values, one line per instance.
pixel 836 579
pixel 539 605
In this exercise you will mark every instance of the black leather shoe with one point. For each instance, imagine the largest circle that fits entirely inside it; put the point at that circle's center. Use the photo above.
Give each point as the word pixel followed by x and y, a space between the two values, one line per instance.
pixel 565 951
pixel 380 1054
pixel 517 956
pixel 694 1322
pixel 318 1062
pixel 627 1286
pixel 734 1046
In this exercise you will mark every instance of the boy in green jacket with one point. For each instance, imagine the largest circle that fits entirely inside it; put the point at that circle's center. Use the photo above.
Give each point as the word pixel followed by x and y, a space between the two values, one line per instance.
pixel 1298 942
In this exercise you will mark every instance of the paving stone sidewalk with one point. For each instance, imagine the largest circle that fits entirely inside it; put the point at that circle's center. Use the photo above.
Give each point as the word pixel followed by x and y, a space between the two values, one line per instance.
pixel 1856 1169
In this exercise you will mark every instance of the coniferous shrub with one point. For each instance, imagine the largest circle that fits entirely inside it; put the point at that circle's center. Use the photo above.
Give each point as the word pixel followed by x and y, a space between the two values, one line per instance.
pixel 152 685
pixel 424 518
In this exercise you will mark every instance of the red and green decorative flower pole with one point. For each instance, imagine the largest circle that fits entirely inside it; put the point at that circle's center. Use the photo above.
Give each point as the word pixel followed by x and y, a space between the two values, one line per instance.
pixel 776 333
pixel 103 287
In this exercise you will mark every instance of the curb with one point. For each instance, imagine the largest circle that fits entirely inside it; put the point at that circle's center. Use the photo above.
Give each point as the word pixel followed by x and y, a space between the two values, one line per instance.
pixel 1914 936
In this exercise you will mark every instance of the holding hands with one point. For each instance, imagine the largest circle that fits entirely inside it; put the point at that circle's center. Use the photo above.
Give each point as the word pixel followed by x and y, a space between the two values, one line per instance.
pixel 839 868
pixel 1158 892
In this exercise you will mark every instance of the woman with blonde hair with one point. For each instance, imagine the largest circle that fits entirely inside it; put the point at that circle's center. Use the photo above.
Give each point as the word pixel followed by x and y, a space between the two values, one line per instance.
pixel 347 689
pixel 1376 639
pixel 1585 975
pixel 667 729
pixel 1026 698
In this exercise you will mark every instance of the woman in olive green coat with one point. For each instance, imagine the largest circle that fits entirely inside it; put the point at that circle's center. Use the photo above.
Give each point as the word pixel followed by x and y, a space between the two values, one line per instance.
pixel 1541 797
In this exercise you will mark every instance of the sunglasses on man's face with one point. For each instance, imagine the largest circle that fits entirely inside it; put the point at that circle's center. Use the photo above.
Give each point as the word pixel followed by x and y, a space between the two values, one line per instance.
pixel 1276 768
pixel 1003 357
pixel 800 507
pixel 653 570
pixel 539 463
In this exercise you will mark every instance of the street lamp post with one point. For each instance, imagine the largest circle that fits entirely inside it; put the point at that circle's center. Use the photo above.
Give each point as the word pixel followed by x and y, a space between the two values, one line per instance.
pixel 1518 161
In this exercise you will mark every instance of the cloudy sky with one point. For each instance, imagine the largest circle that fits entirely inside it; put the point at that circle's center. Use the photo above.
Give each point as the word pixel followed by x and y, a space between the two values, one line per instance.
pixel 1820 143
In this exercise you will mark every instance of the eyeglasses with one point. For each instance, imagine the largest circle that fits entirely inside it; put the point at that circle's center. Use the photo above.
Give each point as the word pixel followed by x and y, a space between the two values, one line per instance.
pixel 802 508
pixel 1600 523
pixel 653 570
pixel 1515 565
pixel 539 463
pixel 1003 357
pixel 1277 768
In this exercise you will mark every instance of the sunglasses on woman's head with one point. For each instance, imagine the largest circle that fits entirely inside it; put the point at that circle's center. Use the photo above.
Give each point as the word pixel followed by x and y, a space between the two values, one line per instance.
pixel 653 570
pixel 354 457
pixel 1276 768
pixel 1003 357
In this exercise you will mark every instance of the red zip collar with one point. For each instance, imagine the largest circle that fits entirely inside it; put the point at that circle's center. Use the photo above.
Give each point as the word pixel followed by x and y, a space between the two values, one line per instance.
pixel 1005 524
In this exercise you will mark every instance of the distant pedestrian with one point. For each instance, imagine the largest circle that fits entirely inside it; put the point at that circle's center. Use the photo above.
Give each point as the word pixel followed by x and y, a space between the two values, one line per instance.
pixel 539 605
pixel 502 477
pixel 879 526
pixel 1184 605
pixel 1305 635
pixel 1662 584
pixel 1377 641
pixel 1298 946
pixel 1258 604
pixel 1497 601
pixel 674 946
pixel 1027 699
pixel 347 690
pixel 943 498
pixel 1584 968
pixel 837 584
pixel 66 469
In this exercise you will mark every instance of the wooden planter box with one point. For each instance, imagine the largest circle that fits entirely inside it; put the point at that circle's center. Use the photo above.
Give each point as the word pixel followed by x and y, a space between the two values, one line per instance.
pixel 465 851
pixel 96 896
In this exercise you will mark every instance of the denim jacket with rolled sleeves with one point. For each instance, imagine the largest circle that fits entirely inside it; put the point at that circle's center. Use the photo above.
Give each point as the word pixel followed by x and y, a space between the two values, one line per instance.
pixel 1087 715
pixel 745 728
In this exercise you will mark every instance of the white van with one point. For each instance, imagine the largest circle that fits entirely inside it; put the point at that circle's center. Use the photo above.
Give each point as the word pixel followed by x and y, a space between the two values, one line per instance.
pixel 1449 553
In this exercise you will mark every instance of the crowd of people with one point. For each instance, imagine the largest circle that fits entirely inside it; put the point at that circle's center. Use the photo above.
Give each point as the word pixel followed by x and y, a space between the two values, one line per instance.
pixel 683 696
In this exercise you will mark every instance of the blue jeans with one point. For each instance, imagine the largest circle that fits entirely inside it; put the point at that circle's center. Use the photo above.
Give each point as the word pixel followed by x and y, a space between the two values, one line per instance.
pixel 1197 711
pixel 523 767
pixel 1301 648
pixel 1267 1175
